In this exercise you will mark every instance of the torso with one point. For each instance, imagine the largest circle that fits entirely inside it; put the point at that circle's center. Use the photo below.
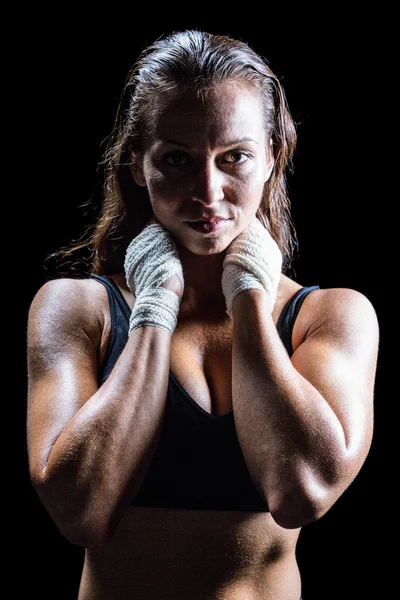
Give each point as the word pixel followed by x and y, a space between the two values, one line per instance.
pixel 176 554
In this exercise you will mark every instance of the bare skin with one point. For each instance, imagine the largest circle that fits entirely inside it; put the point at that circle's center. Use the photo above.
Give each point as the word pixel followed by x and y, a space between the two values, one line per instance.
pixel 204 555
pixel 90 446
pixel 181 554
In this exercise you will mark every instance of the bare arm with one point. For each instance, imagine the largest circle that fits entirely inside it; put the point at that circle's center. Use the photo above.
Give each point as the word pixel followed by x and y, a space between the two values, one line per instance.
pixel 304 423
pixel 89 448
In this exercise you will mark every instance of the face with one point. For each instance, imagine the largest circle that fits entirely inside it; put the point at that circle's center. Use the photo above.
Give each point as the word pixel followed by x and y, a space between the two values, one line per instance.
pixel 206 159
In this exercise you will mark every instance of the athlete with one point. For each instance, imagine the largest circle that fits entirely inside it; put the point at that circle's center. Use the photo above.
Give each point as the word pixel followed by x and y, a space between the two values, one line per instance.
pixel 190 406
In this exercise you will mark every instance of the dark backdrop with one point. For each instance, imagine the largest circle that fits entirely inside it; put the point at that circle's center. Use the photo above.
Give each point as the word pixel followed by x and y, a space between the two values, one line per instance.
pixel 71 77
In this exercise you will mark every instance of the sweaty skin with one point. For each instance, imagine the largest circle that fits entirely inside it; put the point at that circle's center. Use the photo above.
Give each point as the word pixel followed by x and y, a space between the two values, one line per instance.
pixel 182 554
pixel 90 447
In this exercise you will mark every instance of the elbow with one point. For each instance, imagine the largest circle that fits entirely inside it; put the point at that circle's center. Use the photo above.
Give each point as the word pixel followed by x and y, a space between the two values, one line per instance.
pixel 295 512
pixel 86 535
pixel 84 532
pixel 296 507
pixel 80 527
pixel 303 495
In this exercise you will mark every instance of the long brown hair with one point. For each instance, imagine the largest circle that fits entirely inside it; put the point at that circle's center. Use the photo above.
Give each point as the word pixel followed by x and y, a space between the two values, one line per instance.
pixel 183 59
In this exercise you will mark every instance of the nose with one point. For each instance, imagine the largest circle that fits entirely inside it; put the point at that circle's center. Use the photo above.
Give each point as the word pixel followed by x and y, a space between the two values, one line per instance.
pixel 208 184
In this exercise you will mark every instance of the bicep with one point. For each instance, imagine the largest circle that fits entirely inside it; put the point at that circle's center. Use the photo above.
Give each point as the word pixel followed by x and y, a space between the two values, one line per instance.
pixel 339 358
pixel 62 365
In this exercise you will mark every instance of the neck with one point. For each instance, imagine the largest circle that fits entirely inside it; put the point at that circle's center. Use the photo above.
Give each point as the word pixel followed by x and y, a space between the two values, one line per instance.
pixel 202 276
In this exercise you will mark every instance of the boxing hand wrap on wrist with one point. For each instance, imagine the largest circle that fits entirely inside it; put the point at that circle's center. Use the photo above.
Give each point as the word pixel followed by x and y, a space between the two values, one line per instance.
pixel 150 259
pixel 253 260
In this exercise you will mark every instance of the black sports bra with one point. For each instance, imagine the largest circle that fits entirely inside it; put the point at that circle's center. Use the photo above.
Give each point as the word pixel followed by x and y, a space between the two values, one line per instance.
pixel 198 463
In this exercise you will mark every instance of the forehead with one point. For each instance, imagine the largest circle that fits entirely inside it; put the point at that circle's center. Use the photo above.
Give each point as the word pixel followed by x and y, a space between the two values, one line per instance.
pixel 229 112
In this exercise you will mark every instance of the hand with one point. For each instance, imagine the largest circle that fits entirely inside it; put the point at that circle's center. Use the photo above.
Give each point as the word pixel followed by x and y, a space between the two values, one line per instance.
pixel 154 275
pixel 253 260
pixel 173 283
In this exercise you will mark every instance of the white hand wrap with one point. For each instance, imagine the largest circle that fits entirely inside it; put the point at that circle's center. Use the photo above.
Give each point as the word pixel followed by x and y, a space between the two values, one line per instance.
pixel 252 261
pixel 150 259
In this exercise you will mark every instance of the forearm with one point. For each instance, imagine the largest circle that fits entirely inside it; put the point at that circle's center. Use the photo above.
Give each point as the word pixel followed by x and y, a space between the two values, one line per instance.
pixel 292 441
pixel 99 461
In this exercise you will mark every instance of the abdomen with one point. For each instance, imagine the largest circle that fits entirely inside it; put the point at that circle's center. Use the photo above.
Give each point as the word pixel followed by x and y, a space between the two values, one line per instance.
pixel 178 554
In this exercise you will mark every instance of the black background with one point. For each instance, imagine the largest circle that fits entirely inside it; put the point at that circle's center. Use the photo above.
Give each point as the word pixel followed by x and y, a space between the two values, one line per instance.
pixel 71 73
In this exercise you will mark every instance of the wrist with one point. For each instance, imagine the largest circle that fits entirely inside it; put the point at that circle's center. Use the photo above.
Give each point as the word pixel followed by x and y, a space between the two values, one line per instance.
pixel 251 297
pixel 157 307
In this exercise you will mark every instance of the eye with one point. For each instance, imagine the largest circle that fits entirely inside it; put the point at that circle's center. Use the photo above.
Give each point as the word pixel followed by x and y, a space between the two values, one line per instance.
pixel 176 158
pixel 238 157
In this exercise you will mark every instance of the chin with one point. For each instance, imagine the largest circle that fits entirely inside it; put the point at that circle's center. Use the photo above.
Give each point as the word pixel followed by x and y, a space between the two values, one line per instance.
pixel 198 245
pixel 204 247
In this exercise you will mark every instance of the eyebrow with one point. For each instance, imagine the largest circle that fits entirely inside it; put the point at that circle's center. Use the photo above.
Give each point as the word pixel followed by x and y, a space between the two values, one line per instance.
pixel 244 139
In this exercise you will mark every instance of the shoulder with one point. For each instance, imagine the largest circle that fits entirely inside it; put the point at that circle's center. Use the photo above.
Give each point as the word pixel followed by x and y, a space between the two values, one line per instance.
pixel 69 307
pixel 340 303
pixel 67 294
pixel 344 314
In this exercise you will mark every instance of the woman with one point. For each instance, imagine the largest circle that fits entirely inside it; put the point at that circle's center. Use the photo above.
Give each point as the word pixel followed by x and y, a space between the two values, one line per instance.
pixel 191 406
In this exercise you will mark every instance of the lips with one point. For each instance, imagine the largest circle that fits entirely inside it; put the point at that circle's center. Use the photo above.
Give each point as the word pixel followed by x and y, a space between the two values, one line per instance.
pixel 209 226
pixel 209 220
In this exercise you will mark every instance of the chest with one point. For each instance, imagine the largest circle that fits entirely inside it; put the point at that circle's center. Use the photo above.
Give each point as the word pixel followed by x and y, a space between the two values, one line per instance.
pixel 201 361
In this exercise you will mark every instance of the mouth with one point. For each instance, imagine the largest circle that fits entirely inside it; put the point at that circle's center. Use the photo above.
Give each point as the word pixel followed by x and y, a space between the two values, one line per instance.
pixel 206 227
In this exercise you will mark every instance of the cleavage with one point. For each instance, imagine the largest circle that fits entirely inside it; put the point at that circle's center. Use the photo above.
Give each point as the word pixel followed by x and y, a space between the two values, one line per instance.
pixel 201 361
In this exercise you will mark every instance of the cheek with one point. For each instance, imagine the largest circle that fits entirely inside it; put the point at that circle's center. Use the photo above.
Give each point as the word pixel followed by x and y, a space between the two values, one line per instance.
pixel 251 182
pixel 154 180
pixel 161 187
pixel 250 193
pixel 160 192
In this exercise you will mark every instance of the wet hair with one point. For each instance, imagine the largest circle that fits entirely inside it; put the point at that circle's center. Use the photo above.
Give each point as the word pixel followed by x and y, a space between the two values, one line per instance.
pixel 183 60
